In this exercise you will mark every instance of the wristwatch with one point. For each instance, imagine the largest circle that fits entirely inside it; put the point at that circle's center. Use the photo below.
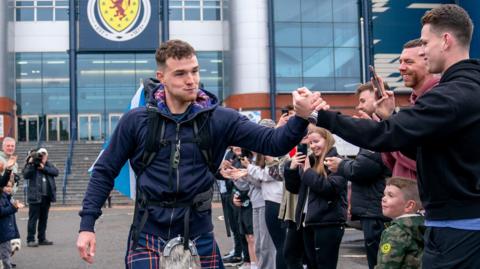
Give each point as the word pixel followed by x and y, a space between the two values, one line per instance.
pixel 313 117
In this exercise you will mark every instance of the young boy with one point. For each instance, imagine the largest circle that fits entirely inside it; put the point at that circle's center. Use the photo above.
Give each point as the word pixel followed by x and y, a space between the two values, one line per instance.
pixel 8 225
pixel 401 245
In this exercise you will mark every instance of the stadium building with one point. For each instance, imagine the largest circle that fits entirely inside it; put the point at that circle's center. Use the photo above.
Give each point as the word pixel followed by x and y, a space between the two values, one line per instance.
pixel 70 76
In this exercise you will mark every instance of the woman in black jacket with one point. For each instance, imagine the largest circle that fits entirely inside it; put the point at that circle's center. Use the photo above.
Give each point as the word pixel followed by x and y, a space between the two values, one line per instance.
pixel 322 202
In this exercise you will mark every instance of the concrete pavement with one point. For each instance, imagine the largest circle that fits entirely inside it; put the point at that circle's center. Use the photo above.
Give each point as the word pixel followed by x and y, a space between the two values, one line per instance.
pixel 112 230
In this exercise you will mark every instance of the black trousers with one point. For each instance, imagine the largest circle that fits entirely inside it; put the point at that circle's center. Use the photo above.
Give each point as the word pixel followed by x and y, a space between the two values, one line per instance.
pixel 451 248
pixel 38 213
pixel 293 247
pixel 276 231
pixel 322 245
pixel 230 210
pixel 372 232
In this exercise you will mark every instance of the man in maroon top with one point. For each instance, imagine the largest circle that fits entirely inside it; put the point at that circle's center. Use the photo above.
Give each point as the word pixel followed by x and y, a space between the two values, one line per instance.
pixel 413 69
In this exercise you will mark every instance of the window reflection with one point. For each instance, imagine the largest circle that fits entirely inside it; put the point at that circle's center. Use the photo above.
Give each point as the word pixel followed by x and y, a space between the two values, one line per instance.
pixel 105 86
pixel 316 44
pixel 195 10
pixel 41 10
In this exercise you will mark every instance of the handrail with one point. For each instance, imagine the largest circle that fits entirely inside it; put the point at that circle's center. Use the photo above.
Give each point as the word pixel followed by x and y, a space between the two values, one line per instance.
pixel 68 165
pixel 41 135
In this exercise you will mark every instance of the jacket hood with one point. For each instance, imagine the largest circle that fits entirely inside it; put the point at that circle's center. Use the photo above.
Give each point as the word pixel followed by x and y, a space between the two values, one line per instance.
pixel 155 96
pixel 469 69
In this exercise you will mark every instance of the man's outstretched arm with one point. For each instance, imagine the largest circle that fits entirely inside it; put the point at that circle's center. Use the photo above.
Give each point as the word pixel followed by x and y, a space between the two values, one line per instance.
pixel 432 115
pixel 121 147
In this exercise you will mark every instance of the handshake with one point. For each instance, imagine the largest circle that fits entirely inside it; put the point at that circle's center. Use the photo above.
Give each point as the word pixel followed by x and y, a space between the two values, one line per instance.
pixel 307 103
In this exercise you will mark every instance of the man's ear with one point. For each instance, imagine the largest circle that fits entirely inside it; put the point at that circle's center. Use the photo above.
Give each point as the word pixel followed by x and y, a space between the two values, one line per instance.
pixel 160 74
pixel 447 41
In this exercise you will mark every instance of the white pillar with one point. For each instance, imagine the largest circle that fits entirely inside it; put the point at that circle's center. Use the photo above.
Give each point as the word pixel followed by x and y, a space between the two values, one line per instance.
pixel 249 46
pixel 7 66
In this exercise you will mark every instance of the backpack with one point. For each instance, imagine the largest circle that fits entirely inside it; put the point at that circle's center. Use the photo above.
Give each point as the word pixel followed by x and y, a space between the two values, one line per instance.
pixel 153 143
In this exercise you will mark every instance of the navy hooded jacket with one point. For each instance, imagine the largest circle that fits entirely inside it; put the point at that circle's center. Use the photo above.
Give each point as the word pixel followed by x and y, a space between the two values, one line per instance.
pixel 227 127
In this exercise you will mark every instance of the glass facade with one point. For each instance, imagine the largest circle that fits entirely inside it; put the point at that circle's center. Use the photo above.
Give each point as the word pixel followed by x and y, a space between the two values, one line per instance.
pixel 317 45
pixel 41 10
pixel 195 10
pixel 105 86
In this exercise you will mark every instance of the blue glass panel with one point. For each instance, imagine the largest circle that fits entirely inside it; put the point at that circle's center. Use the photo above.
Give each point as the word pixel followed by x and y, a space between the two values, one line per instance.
pixel 318 62
pixel 192 14
pixel 61 3
pixel 24 3
pixel 192 3
pixel 211 14
pixel 211 68
pixel 345 11
pixel 61 14
pixel 346 35
pixel 120 84
pixel 347 62
pixel 286 84
pixel 317 10
pixel 29 83
pixel 317 34
pixel 287 34
pixel 44 3
pixel 24 14
pixel 91 83
pixel 347 84
pixel 288 62
pixel 145 67
pixel 56 94
pixel 45 14
pixel 175 14
pixel 286 10
pixel 320 84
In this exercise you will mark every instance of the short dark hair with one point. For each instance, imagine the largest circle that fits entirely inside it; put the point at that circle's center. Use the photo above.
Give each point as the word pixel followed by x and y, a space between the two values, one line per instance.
pixel 176 49
pixel 414 43
pixel 451 17
pixel 369 87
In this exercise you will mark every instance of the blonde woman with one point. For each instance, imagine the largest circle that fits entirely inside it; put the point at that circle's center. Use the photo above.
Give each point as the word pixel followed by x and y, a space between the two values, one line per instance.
pixel 322 200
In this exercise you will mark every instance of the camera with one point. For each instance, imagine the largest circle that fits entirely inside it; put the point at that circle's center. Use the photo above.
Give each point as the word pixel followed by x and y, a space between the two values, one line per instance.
pixel 36 158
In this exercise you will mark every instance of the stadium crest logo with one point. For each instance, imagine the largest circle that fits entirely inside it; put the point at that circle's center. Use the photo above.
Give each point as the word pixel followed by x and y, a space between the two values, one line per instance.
pixel 119 20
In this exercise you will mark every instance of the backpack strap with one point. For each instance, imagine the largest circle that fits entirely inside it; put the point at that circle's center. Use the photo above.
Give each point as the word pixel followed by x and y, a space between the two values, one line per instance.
pixel 203 138
pixel 152 145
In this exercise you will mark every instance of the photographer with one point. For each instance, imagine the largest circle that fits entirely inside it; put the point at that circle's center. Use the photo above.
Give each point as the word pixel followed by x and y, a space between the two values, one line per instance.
pixel 41 191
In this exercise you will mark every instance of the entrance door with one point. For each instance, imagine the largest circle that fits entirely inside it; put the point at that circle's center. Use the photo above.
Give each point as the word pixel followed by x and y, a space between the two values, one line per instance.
pixel 113 119
pixel 58 127
pixel 89 127
pixel 28 128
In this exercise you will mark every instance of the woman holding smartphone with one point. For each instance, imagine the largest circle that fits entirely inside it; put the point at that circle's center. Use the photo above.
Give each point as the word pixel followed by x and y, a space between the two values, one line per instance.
pixel 322 200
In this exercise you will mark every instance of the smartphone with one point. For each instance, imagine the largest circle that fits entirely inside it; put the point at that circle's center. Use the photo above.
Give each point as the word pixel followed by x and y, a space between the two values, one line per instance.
pixel 302 148
pixel 284 111
pixel 376 83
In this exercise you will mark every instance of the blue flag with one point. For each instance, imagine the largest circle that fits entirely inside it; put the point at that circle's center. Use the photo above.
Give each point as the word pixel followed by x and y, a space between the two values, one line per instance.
pixel 125 181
